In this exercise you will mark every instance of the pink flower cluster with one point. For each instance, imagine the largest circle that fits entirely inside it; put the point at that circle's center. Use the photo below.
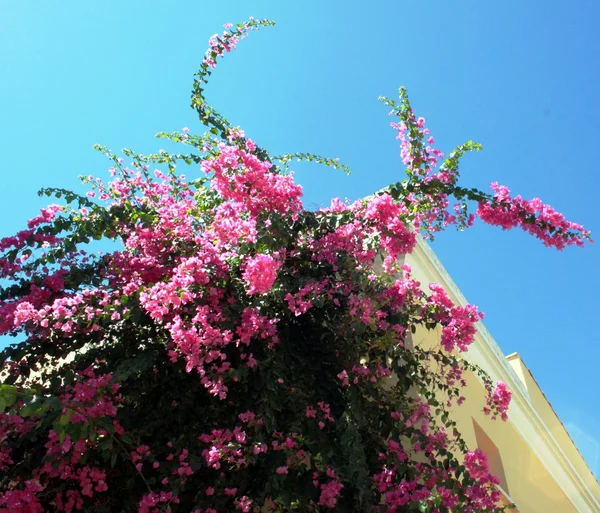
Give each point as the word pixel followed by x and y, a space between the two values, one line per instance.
pixel 242 178
pixel 227 41
pixel 458 322
pixel 93 397
pixel 227 447
pixel 322 413
pixel 498 401
pixel 533 216
pixel 22 500
pixel 330 490
pixel 418 160
pixel 172 474
pixel 260 273
pixel 64 463
pixel 379 222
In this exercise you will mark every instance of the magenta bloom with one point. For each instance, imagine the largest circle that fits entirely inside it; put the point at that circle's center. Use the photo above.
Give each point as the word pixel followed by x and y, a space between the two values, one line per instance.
pixel 260 273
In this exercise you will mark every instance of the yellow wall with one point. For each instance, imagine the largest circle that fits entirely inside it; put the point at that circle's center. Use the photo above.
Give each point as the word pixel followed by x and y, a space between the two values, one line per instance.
pixel 544 472
pixel 554 425
pixel 529 483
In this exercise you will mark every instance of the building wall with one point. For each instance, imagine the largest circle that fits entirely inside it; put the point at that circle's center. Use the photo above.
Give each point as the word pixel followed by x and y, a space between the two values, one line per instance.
pixel 529 483
pixel 554 424
pixel 543 470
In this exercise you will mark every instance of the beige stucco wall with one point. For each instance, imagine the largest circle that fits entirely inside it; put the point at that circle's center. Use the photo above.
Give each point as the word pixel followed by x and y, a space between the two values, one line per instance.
pixel 555 426
pixel 544 471
pixel 529 482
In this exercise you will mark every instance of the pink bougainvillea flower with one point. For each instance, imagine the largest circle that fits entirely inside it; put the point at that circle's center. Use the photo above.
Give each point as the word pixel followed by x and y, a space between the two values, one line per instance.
pixel 260 273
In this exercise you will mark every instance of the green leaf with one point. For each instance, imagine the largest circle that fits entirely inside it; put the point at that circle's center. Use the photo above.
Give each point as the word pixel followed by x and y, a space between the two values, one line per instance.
pixel 65 418
pixel 8 393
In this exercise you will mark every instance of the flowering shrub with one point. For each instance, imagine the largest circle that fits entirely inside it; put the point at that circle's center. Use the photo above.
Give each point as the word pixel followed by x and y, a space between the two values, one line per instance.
pixel 237 351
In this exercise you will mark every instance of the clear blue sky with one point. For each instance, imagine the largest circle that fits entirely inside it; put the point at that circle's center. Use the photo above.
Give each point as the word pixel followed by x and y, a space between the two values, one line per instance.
pixel 519 77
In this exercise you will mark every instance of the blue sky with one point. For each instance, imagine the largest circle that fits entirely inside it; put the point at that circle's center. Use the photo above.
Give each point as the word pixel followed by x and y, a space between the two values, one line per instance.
pixel 519 77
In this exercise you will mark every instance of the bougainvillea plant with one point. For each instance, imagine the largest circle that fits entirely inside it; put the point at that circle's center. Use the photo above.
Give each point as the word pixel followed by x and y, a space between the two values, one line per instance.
pixel 237 352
